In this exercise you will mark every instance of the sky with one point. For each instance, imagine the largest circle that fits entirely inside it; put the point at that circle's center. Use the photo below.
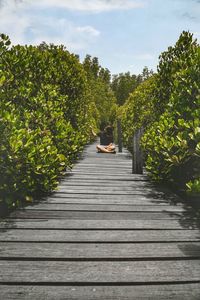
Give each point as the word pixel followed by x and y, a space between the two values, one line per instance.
pixel 125 35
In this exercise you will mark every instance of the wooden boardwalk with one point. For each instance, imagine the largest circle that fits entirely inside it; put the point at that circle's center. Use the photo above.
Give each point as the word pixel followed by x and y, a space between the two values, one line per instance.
pixel 105 234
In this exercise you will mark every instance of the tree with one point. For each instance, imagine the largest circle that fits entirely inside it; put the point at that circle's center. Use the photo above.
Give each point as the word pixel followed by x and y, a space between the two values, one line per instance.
pixel 123 84
pixel 102 98
pixel 146 73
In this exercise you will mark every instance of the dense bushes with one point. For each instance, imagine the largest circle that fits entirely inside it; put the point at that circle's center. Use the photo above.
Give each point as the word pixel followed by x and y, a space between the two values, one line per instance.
pixel 51 104
pixel 47 115
pixel 137 111
pixel 168 106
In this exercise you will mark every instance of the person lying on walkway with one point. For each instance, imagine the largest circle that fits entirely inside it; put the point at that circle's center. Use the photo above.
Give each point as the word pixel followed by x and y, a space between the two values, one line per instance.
pixel 106 141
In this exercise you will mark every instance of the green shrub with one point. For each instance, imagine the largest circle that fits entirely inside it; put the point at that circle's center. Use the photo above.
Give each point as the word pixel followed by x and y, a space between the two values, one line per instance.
pixel 172 143
pixel 167 106
pixel 137 111
pixel 45 118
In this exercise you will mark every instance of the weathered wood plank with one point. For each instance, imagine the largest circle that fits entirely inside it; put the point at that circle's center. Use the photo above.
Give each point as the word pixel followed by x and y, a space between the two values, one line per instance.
pixel 103 292
pixel 99 251
pixel 102 208
pixel 104 272
pixel 95 182
pixel 106 177
pixel 106 184
pixel 96 224
pixel 117 198
pixel 109 185
pixel 99 171
pixel 102 175
pixel 112 192
pixel 89 179
pixel 131 236
pixel 108 167
pixel 101 190
pixel 92 215
pixel 101 202
pixel 92 160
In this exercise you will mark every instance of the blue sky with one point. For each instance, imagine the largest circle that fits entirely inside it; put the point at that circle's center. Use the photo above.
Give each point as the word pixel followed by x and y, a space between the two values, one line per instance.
pixel 125 35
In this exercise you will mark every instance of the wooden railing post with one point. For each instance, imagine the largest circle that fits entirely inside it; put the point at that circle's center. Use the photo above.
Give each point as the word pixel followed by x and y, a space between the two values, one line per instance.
pixel 137 158
pixel 119 135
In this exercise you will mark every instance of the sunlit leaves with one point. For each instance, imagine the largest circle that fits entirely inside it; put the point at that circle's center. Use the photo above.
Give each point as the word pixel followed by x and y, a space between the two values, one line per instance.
pixel 171 143
pixel 170 113
pixel 43 122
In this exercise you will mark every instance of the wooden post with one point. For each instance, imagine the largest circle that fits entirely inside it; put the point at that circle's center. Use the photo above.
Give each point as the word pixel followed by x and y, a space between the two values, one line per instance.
pixel 119 135
pixel 137 160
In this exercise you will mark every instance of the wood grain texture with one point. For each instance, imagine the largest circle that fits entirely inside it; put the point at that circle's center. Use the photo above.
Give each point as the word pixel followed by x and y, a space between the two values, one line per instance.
pixel 96 224
pixel 101 272
pixel 108 251
pixel 131 236
pixel 97 215
pixel 107 207
pixel 94 292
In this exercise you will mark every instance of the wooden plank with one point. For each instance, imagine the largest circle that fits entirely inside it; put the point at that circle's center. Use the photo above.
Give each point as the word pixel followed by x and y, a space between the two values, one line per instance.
pixel 101 189
pixel 104 272
pixel 104 176
pixel 116 175
pixel 94 292
pixel 114 181
pixel 92 215
pixel 99 251
pixel 105 183
pixel 99 156
pixel 102 202
pixel 116 187
pixel 98 171
pixel 111 193
pixel 107 167
pixel 131 236
pixel 96 224
pixel 118 199
pixel 109 170
pixel 121 198
pixel 112 173
pixel 94 162
pixel 102 208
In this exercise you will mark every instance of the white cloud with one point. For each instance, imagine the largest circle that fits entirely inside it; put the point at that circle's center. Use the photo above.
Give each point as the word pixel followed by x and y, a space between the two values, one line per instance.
pixel 93 6
pixel 63 32
pixel 88 30
pixel 32 21
pixel 143 56
pixel 22 22
pixel 13 21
